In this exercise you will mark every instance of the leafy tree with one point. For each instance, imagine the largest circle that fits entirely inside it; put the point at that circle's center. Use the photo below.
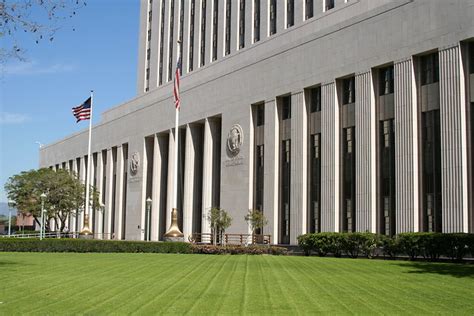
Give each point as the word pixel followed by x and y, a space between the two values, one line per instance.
pixel 38 18
pixel 256 220
pixel 64 194
pixel 220 220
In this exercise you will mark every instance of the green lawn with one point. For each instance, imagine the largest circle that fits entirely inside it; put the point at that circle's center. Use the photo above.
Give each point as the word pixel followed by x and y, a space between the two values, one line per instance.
pixel 97 284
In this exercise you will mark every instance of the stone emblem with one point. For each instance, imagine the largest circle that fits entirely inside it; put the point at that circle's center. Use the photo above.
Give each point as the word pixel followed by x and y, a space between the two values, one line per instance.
pixel 134 163
pixel 235 138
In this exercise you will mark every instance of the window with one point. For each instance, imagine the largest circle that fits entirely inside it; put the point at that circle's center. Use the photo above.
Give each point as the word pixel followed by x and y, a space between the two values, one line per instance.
pixel 191 35
pixel 285 188
pixel 203 33
pixel 256 21
pixel 308 9
pixel 259 177
pixel 429 69
pixel 170 46
pixel 162 36
pixel 315 183
pixel 348 185
pixel 348 90
pixel 386 80
pixel 260 114
pixel 471 58
pixel 387 177
pixel 215 17
pixel 286 108
pixel 242 24
pixel 273 18
pixel 290 13
pixel 148 54
pixel 228 14
pixel 150 13
pixel 181 30
pixel 315 99
pixel 149 35
pixel 329 4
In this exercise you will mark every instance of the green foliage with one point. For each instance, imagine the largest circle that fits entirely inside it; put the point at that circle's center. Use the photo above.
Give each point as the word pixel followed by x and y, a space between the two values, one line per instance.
pixel 219 220
pixel 239 250
pixel 81 246
pixel 256 219
pixel 64 193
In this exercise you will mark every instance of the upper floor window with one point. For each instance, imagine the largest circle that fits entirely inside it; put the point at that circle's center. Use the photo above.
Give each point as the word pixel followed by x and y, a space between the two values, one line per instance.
pixel 315 99
pixel 215 17
pixel 203 33
pixel 429 69
pixel 308 9
pixel 228 15
pixel 191 36
pixel 260 114
pixel 471 58
pixel 290 13
pixel 348 90
pixel 273 18
pixel 386 81
pixel 162 36
pixel 286 108
pixel 170 47
pixel 242 24
pixel 328 5
pixel 256 21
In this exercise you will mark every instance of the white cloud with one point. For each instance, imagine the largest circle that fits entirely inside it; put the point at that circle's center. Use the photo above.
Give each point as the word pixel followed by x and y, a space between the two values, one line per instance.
pixel 13 118
pixel 33 68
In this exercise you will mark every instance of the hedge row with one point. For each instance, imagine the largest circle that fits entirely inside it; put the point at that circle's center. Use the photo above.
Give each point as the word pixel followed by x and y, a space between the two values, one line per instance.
pixel 82 245
pixel 430 246
pixel 111 246
pixel 239 250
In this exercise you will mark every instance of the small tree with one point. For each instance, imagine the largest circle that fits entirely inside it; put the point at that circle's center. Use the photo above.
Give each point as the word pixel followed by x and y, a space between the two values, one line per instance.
pixel 220 220
pixel 256 220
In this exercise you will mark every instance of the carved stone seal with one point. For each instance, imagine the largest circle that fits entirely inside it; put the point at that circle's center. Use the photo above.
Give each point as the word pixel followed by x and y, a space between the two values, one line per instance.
pixel 134 163
pixel 235 138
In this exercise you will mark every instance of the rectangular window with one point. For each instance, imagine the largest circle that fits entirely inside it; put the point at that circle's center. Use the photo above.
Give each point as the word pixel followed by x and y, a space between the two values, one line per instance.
pixel 315 184
pixel 471 58
pixel 429 69
pixel 191 35
pixel 260 113
pixel 308 9
pixel 215 17
pixel 290 13
pixel 348 185
pixel 285 191
pixel 329 4
pixel 104 175
pixel 242 24
pixel 162 36
pixel 256 21
pixel 181 30
pixel 228 15
pixel 386 80
pixel 387 177
pixel 170 46
pixel 286 108
pixel 273 17
pixel 315 99
pixel 259 176
pixel 203 33
pixel 149 35
pixel 348 90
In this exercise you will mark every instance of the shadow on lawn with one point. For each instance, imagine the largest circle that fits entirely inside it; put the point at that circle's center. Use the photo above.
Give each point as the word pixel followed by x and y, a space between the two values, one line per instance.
pixel 455 270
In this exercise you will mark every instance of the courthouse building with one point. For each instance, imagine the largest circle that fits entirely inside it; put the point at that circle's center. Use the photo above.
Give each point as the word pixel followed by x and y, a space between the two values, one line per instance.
pixel 328 115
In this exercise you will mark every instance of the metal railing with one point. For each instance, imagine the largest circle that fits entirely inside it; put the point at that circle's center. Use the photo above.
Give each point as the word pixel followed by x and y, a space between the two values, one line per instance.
pixel 58 235
pixel 231 239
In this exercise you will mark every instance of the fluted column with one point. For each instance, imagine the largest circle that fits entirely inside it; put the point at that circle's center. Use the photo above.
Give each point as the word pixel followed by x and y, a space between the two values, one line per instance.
pixel 330 160
pixel 208 173
pixel 119 194
pixel 453 116
pixel 82 178
pixel 406 148
pixel 299 162
pixel 365 158
pixel 99 212
pixel 189 165
pixel 156 190
pixel 171 162
pixel 74 214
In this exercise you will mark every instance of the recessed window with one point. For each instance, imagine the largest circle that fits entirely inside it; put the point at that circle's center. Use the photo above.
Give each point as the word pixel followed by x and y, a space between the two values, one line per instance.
pixel 242 24
pixel 315 94
pixel 228 15
pixel 181 30
pixel 286 108
pixel 191 35
pixel 348 90
pixel 308 9
pixel 290 13
pixel 203 33
pixel 273 18
pixel 215 17
pixel 162 36
pixel 386 81
pixel 329 4
pixel 170 44
pixel 429 69
pixel 256 21
pixel 260 115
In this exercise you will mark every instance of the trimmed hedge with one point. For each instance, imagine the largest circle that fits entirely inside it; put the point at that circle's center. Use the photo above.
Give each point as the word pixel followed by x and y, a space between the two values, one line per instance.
pixel 430 246
pixel 239 250
pixel 84 245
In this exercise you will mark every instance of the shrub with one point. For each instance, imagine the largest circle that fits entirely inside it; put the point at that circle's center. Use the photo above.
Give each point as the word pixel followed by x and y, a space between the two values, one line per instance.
pixel 305 242
pixel 389 246
pixel 238 250
pixel 410 244
pixel 81 245
pixel 459 245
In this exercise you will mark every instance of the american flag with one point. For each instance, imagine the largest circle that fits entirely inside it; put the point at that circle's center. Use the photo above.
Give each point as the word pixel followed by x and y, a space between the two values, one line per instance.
pixel 177 98
pixel 83 111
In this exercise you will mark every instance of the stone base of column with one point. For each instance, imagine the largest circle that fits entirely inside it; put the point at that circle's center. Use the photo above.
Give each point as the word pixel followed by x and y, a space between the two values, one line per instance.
pixel 174 239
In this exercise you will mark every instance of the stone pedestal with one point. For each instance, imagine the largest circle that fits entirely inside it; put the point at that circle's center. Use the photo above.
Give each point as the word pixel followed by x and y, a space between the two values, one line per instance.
pixel 174 239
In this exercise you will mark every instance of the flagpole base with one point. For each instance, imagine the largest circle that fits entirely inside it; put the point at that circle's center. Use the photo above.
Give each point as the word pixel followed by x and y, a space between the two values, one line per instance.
pixel 174 233
pixel 86 232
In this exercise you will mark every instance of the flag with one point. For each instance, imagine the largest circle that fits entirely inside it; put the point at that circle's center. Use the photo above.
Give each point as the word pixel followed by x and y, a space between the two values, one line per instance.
pixel 177 98
pixel 83 111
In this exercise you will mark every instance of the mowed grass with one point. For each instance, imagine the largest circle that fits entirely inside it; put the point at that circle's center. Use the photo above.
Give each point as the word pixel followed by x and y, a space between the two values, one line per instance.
pixel 97 284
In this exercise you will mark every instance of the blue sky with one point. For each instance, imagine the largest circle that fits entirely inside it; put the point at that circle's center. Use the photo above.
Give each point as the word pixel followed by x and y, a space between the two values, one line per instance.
pixel 36 96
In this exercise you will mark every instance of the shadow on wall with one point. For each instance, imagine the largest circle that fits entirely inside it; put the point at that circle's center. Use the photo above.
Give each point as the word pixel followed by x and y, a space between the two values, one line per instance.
pixel 456 270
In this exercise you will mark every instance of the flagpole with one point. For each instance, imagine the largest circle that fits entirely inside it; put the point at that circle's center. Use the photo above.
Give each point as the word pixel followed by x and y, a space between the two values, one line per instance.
pixel 85 229
pixel 174 233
